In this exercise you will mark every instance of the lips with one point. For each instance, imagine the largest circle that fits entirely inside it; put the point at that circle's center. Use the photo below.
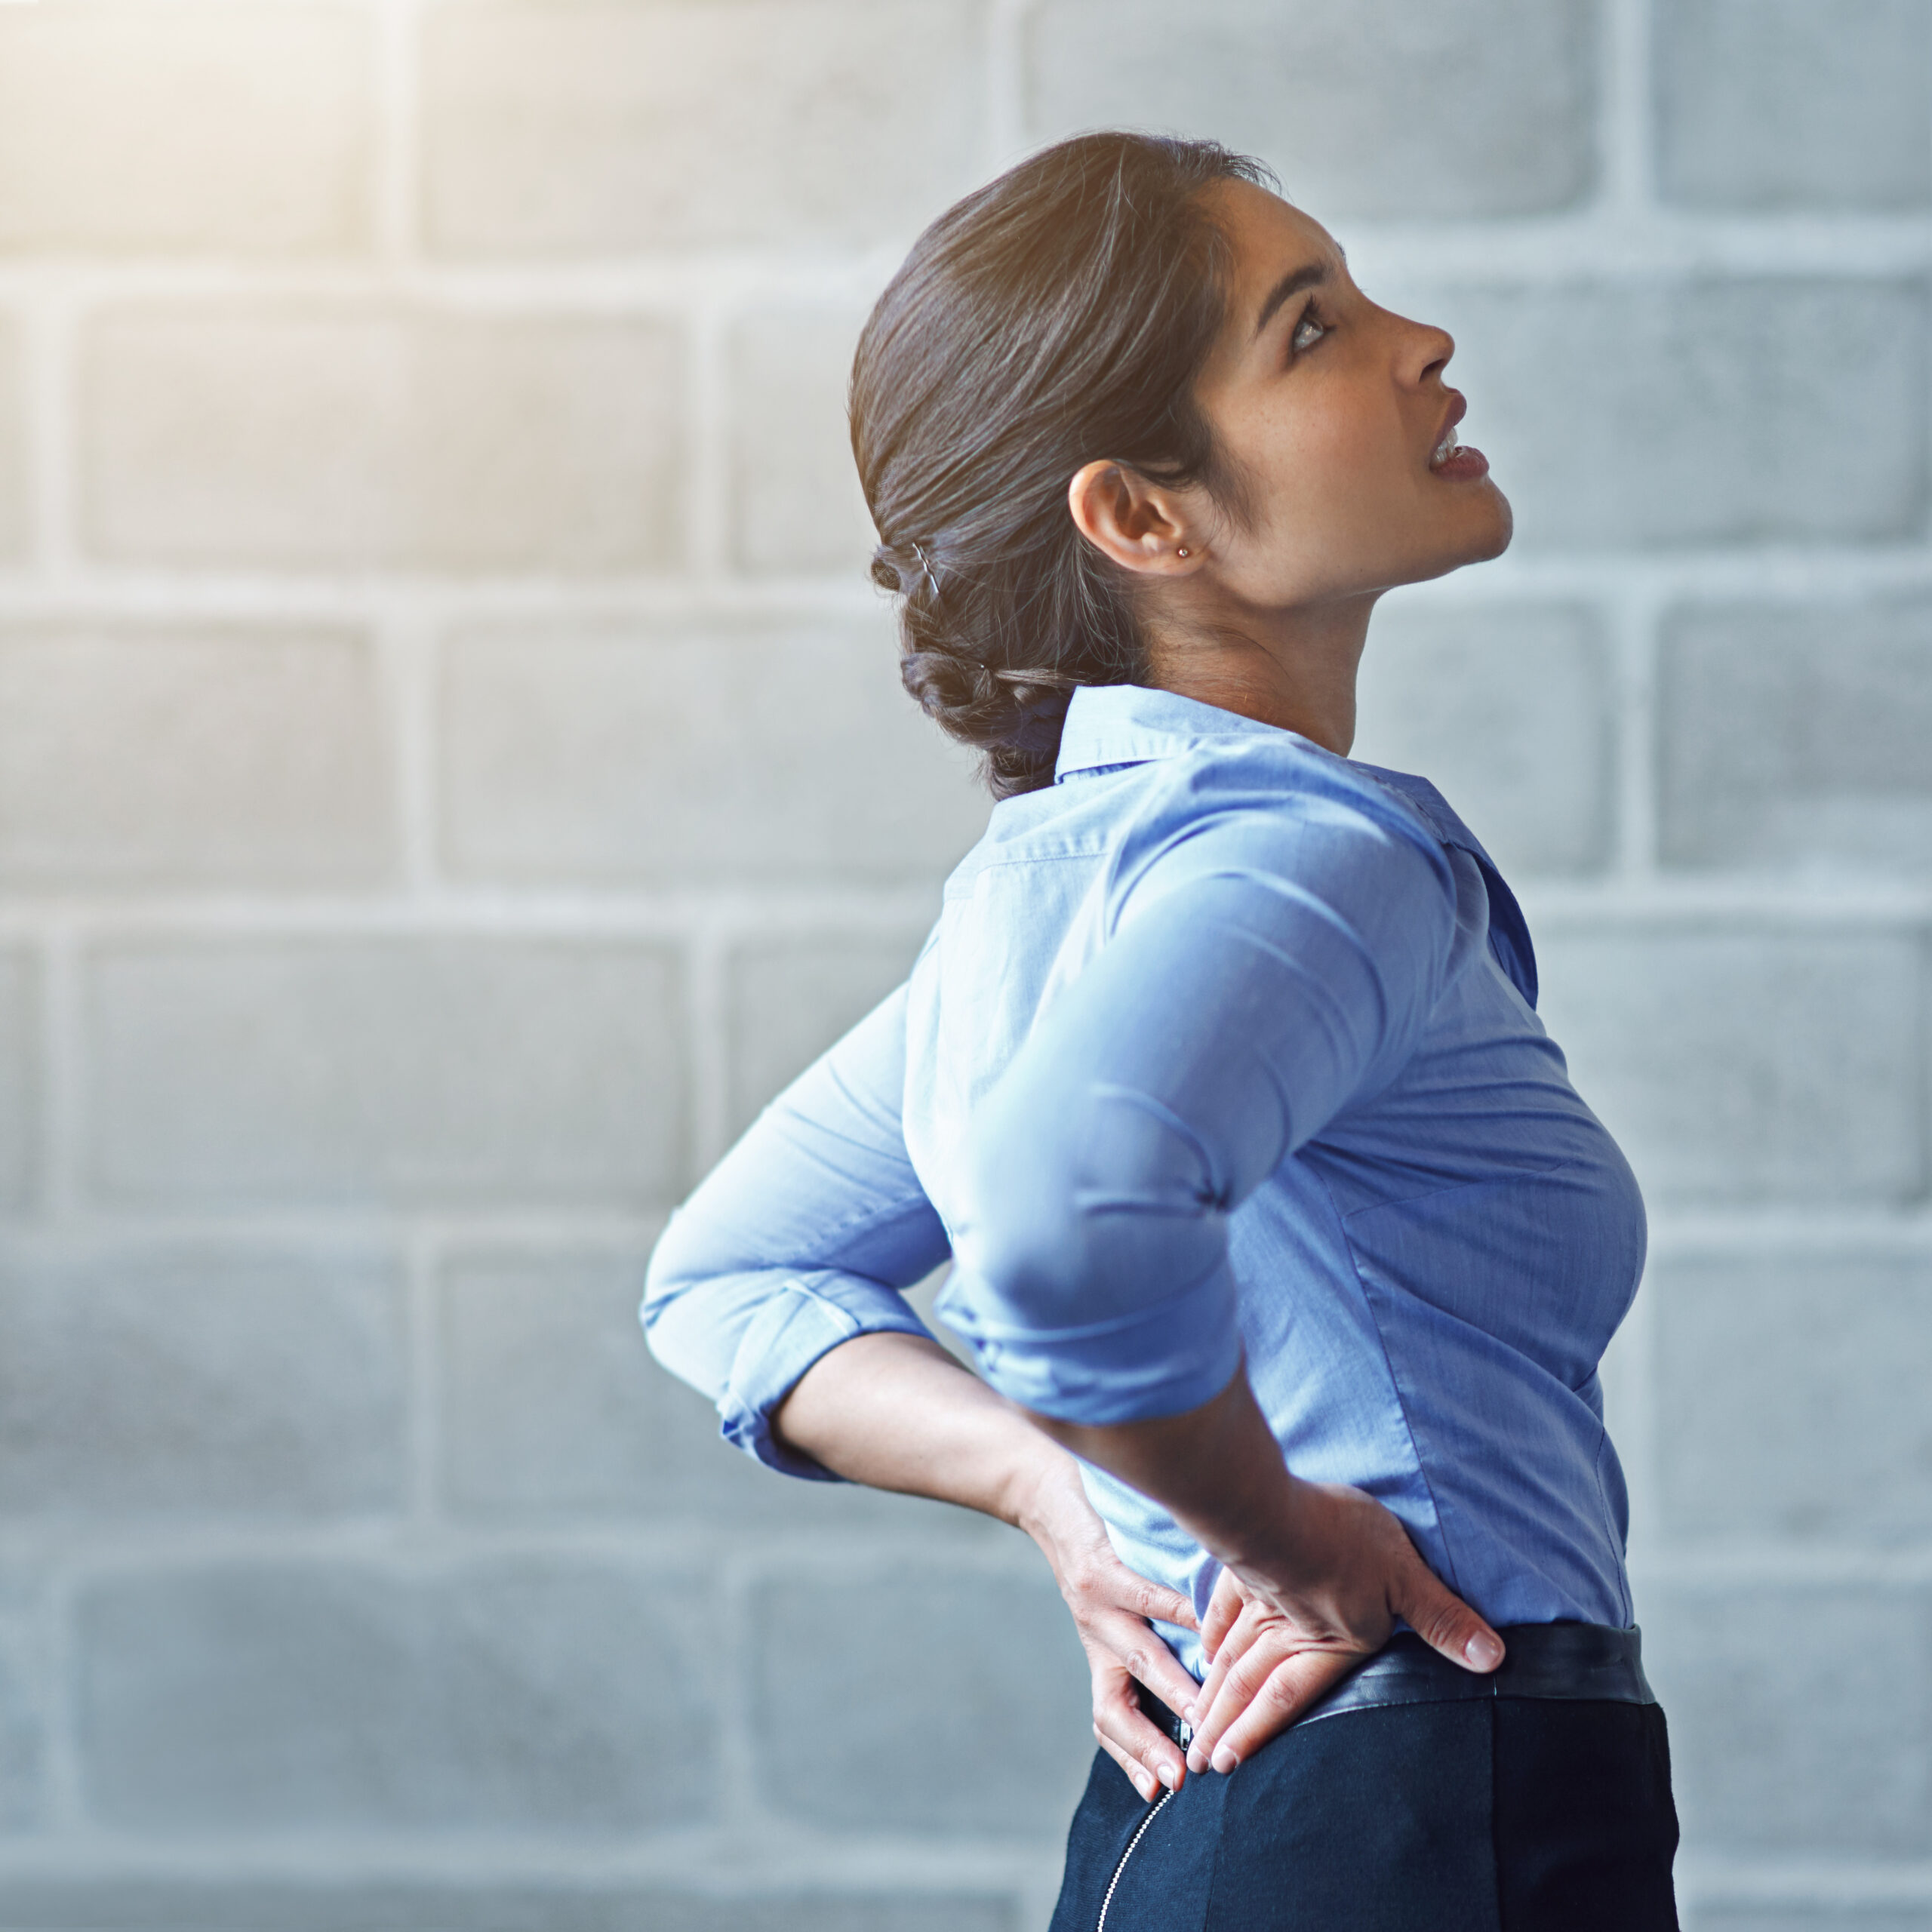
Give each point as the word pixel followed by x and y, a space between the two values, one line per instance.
pixel 1456 461
pixel 1445 441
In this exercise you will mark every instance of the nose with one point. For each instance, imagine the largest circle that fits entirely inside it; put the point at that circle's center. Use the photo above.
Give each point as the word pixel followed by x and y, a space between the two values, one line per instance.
pixel 1427 352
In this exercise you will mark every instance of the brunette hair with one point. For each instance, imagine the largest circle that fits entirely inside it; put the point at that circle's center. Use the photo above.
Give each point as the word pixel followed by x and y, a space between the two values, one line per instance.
pixel 1058 316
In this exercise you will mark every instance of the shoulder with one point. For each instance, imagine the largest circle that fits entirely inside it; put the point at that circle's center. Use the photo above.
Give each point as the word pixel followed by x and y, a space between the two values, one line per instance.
pixel 1283 811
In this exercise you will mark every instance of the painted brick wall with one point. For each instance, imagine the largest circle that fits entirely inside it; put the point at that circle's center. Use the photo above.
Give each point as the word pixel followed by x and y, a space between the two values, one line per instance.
pixel 452 772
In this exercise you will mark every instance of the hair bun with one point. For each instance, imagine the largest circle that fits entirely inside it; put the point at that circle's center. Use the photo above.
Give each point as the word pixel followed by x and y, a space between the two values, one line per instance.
pixel 905 567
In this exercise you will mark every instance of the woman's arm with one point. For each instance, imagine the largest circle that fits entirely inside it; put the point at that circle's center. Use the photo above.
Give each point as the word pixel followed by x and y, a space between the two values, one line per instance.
pixel 1267 969
pixel 897 1412
pixel 776 1291
pixel 806 1235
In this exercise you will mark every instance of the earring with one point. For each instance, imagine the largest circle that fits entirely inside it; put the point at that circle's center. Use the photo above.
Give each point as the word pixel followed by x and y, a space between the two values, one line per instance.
pixel 1182 551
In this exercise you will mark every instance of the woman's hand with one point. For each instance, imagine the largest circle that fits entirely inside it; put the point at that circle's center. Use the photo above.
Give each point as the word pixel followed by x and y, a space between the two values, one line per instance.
pixel 1324 1570
pixel 1111 1608
pixel 1277 1645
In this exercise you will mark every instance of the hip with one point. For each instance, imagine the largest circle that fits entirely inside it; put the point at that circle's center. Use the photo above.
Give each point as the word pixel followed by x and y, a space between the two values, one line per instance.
pixel 1541 1803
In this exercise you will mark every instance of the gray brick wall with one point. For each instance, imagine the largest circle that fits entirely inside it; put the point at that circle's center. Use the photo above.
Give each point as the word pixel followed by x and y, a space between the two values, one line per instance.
pixel 452 772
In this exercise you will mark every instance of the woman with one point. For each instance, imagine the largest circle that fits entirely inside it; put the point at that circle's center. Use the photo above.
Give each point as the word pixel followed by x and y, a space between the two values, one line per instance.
pixel 1220 1079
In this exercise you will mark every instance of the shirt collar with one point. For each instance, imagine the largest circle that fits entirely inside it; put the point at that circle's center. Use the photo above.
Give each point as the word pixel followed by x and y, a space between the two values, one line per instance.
pixel 1127 724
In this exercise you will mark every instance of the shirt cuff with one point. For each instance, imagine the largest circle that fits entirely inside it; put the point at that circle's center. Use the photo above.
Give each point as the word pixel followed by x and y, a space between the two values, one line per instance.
pixel 807 1317
pixel 1161 1361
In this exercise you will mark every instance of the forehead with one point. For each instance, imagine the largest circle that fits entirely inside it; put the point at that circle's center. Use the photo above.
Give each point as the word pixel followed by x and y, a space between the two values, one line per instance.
pixel 1268 239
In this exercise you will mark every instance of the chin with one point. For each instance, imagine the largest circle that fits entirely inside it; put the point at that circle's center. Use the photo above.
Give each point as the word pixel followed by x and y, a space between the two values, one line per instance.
pixel 1481 538
pixel 1488 535
pixel 1504 528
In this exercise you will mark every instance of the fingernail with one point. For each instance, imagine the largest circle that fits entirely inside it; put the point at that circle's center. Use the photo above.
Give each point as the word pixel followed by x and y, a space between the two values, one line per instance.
pixel 1187 1715
pixel 1197 1762
pixel 1167 1772
pixel 1225 1761
pixel 1144 1785
pixel 1484 1651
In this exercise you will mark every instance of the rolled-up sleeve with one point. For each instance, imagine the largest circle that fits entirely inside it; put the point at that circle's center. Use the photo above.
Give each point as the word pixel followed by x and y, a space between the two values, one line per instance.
pixel 1267 959
pixel 803 1236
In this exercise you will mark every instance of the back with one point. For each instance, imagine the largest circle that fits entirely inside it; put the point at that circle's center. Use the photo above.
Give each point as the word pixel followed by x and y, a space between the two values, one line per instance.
pixel 1425 1285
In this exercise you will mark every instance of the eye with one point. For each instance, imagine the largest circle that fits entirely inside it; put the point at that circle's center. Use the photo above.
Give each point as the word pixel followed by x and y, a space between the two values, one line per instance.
pixel 1308 331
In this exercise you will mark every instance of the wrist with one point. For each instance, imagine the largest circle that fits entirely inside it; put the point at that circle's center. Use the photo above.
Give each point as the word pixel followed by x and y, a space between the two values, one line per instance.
pixel 1259 1530
pixel 1044 1493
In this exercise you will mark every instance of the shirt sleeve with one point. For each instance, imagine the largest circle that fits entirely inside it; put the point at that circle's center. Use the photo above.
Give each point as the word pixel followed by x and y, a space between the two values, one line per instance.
pixel 802 1237
pixel 1267 962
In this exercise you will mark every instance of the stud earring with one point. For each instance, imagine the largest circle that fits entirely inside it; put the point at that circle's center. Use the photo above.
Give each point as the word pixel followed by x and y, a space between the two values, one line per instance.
pixel 1182 551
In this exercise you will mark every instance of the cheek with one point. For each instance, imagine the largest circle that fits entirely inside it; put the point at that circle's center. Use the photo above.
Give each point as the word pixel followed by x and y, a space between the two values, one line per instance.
pixel 1333 463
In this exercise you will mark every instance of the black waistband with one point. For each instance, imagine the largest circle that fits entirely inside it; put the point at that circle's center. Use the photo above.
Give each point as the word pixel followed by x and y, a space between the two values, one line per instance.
pixel 1573 1662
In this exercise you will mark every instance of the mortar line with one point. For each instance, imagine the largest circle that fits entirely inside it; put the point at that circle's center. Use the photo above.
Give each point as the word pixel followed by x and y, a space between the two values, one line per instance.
pixel 409 656
pixel 1038 1894
pixel 1664 903
pixel 395 1541
pixel 63 1781
pixel 1746 1231
pixel 245 1229
pixel 48 325
pixel 1689 1560
pixel 1605 239
pixel 26 1218
pixel 703 1861
pixel 1006 81
pixel 707 967
pixel 733 1656
pixel 396 189
pixel 423 1499
pixel 1824 571
pixel 1922 1056
pixel 1636 616
pixel 1757 1231
pixel 707 495
pixel 1636 1439
pixel 1767 1878
pixel 63 1076
pixel 1625 125
pixel 636 281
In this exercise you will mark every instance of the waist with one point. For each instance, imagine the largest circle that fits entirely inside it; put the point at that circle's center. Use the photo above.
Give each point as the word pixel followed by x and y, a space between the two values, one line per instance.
pixel 1570 1663
pixel 1566 1662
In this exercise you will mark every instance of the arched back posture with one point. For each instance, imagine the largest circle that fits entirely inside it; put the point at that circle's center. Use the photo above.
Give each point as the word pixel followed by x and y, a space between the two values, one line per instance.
pixel 1286 1249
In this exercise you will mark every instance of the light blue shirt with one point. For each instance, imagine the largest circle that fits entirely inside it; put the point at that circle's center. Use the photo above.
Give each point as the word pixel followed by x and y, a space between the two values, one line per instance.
pixel 1223 1047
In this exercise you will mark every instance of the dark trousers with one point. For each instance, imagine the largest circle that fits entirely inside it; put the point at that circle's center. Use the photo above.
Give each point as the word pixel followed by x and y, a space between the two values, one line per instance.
pixel 1505 1814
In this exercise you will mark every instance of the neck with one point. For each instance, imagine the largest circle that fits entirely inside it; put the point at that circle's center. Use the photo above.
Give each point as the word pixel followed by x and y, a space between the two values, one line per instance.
pixel 1295 669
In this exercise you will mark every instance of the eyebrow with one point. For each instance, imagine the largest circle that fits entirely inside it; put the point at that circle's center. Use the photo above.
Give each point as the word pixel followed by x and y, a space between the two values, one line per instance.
pixel 1310 274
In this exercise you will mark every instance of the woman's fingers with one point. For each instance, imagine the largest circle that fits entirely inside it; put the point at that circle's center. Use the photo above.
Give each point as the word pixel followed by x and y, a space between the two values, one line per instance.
pixel 1234 1640
pixel 1443 1620
pixel 1247 1673
pixel 1114 1610
pixel 1210 1708
pixel 1150 1757
pixel 1289 1688
pixel 1223 1607
pixel 1108 1581
pixel 1140 1652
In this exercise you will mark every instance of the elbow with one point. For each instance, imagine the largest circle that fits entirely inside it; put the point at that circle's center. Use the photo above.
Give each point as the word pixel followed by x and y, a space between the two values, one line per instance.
pixel 680 1312
pixel 668 1276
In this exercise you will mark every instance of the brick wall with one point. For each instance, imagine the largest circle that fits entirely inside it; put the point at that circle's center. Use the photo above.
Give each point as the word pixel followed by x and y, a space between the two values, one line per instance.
pixel 451 772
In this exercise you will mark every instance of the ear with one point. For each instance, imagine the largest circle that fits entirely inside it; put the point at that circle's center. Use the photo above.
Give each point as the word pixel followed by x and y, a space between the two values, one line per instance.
pixel 1139 525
